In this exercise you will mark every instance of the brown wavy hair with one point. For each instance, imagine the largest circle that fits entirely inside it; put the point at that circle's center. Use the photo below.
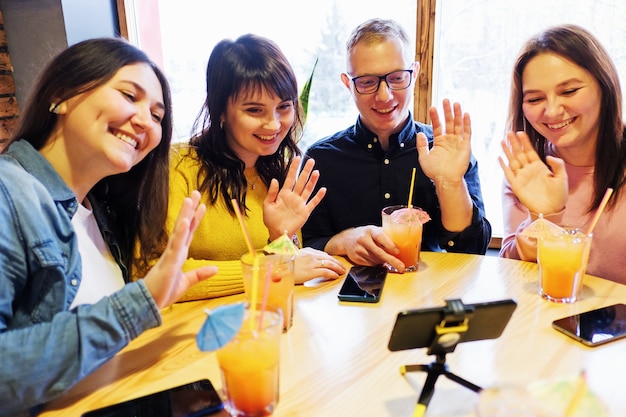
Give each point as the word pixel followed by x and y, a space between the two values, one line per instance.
pixel 250 63
pixel 136 200
pixel 580 47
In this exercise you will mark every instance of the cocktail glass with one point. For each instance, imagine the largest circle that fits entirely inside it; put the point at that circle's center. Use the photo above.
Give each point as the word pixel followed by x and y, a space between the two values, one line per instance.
pixel 249 364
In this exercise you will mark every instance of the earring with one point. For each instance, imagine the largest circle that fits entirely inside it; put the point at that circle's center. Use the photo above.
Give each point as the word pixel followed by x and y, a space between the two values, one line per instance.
pixel 54 108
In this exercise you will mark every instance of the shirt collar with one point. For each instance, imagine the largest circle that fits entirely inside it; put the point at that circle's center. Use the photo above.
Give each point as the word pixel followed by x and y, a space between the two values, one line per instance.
pixel 38 166
pixel 404 138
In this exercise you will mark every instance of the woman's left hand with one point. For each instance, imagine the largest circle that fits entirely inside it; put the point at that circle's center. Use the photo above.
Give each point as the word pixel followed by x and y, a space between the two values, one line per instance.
pixel 539 187
pixel 312 263
pixel 287 209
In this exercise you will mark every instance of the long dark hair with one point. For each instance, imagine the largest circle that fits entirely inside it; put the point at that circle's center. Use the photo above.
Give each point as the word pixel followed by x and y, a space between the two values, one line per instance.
pixel 250 63
pixel 582 48
pixel 137 199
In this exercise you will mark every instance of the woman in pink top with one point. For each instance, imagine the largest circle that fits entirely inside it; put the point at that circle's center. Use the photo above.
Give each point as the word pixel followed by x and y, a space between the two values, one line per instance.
pixel 566 146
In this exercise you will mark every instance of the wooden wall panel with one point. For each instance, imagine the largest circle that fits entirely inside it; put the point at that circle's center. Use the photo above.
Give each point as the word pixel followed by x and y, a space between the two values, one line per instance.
pixel 425 45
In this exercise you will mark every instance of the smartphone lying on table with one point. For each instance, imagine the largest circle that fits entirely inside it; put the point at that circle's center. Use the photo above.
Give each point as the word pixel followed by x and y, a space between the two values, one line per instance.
pixel 595 327
pixel 363 284
pixel 190 400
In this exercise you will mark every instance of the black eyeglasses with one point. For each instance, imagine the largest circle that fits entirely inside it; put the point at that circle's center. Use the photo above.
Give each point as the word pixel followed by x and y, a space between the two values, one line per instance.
pixel 369 84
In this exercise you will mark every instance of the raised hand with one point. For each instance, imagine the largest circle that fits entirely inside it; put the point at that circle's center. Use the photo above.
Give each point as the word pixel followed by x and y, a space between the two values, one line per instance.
pixel 541 189
pixel 449 156
pixel 287 209
pixel 166 280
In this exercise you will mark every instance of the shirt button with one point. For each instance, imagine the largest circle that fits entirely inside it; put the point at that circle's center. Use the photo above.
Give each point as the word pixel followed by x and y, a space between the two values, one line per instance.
pixel 450 243
pixel 386 161
pixel 387 196
pixel 402 145
pixel 74 282
pixel 375 140
pixel 370 146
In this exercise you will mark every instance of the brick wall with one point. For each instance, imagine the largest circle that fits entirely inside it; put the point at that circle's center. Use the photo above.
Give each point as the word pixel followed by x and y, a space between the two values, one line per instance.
pixel 9 109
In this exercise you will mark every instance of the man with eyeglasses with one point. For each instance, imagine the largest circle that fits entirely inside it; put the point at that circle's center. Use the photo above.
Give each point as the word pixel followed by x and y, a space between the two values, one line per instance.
pixel 369 165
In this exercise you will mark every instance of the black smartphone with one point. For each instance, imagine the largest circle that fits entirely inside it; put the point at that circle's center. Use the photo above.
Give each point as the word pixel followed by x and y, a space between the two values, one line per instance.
pixel 363 284
pixel 595 327
pixel 417 328
pixel 190 400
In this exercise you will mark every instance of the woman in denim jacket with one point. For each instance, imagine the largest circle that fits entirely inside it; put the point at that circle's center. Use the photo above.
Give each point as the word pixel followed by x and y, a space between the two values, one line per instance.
pixel 82 182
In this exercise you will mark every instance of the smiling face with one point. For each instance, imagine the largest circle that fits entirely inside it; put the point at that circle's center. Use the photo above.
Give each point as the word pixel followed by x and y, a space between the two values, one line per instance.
pixel 385 111
pixel 562 102
pixel 109 129
pixel 256 123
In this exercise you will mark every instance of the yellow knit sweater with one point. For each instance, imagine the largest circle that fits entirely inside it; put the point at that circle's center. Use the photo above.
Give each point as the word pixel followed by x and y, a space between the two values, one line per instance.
pixel 218 239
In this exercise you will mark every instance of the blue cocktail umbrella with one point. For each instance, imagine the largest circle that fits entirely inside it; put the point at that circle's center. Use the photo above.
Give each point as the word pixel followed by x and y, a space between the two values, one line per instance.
pixel 221 325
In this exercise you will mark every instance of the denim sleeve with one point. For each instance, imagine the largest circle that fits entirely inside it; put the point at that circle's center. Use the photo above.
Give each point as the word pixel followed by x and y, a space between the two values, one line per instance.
pixel 42 361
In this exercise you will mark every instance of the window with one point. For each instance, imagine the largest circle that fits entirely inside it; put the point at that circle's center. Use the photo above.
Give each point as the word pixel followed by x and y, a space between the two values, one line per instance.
pixel 475 44
pixel 190 28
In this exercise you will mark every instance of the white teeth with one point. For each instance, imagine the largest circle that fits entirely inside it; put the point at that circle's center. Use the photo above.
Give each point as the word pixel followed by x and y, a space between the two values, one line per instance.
pixel 385 110
pixel 132 142
pixel 265 137
pixel 560 125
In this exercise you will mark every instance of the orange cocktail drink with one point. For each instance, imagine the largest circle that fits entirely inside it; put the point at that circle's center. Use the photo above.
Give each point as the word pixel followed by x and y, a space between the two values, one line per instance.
pixel 249 366
pixel 404 226
pixel 273 273
pixel 562 260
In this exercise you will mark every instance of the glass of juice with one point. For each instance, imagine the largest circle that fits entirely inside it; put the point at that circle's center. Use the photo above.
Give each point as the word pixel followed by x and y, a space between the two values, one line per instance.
pixel 249 364
pixel 403 224
pixel 562 259
pixel 273 273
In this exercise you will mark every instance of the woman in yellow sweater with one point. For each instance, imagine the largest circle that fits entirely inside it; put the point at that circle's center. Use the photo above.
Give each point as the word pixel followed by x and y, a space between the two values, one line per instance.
pixel 245 148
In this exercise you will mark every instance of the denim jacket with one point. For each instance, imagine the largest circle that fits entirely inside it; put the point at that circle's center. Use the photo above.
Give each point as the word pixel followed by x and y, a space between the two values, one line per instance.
pixel 45 348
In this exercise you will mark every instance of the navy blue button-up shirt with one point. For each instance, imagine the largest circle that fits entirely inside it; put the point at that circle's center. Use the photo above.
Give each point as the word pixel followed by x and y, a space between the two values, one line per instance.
pixel 361 179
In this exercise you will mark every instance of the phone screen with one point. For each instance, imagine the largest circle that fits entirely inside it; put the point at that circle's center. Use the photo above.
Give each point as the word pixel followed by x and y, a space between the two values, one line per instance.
pixel 595 327
pixel 191 400
pixel 363 284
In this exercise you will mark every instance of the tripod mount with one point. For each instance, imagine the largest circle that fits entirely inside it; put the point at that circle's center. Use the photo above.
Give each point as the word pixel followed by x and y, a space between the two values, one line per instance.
pixel 448 333
pixel 441 329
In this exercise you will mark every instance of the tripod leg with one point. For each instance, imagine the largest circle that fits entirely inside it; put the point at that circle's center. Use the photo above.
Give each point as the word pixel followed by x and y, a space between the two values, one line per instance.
pixel 427 392
pixel 413 368
pixel 461 381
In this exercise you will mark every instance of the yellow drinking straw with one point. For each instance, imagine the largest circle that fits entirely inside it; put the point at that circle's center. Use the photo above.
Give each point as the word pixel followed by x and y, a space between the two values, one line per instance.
pixel 255 264
pixel 254 293
pixel 410 204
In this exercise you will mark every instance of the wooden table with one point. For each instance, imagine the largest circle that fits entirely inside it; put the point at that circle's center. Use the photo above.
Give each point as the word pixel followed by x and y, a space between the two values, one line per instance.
pixel 335 361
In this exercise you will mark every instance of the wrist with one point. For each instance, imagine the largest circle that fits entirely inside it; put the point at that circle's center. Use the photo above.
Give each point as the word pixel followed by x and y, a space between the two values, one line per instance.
pixel 445 184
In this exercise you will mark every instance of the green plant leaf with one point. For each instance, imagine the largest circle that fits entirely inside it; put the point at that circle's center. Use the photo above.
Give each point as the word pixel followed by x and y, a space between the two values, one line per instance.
pixel 306 90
